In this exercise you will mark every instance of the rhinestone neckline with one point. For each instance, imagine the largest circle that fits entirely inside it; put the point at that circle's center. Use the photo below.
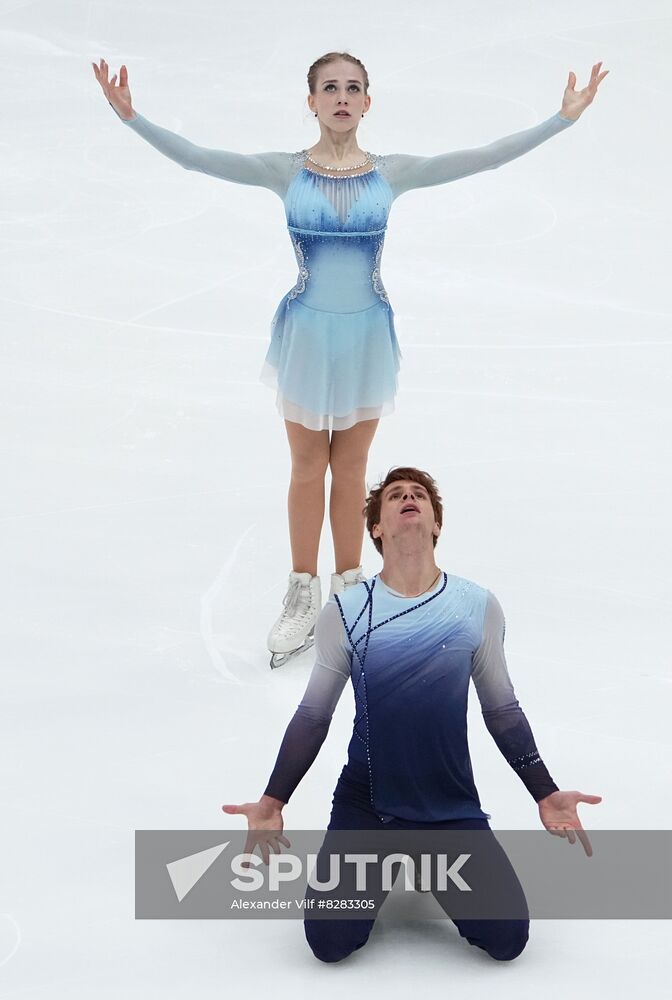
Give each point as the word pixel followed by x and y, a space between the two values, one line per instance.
pixel 339 170
pixel 335 177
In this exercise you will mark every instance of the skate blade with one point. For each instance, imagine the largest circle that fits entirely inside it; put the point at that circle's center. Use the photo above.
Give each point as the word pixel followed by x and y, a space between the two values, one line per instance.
pixel 279 659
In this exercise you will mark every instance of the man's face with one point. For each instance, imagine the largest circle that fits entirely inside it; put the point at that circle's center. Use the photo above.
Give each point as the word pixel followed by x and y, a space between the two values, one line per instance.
pixel 406 511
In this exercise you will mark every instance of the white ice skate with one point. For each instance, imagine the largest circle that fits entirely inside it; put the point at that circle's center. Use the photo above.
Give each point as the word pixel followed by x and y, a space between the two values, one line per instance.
pixel 341 581
pixel 293 631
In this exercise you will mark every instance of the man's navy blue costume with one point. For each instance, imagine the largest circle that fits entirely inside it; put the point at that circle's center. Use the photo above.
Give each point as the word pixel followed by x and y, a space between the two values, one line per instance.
pixel 410 660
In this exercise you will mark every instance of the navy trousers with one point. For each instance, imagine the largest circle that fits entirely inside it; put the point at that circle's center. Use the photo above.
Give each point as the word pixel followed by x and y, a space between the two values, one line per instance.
pixel 333 940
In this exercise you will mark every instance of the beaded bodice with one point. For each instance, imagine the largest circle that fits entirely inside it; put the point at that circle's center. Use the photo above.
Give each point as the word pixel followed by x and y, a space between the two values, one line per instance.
pixel 337 226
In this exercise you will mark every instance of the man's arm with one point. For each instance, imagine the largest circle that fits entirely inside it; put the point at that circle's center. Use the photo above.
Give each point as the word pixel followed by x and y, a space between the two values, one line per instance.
pixel 502 714
pixel 405 172
pixel 309 725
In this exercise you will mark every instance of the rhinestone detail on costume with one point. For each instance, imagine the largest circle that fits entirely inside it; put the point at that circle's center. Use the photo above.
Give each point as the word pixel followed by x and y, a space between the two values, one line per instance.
pixel 304 273
pixel 525 760
pixel 303 154
pixel 365 637
pixel 375 274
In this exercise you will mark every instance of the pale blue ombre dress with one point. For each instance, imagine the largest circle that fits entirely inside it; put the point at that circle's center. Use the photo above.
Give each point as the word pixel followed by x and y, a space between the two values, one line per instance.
pixel 334 355
pixel 333 359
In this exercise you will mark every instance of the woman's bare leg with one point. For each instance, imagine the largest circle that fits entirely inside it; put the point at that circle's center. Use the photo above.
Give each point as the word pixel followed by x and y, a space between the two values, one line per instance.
pixel 305 500
pixel 348 454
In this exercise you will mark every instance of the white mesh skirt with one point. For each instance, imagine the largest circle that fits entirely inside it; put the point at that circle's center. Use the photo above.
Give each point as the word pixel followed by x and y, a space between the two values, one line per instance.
pixel 331 370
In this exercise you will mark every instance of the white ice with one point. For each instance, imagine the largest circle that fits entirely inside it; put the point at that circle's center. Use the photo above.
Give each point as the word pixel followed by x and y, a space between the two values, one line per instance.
pixel 143 516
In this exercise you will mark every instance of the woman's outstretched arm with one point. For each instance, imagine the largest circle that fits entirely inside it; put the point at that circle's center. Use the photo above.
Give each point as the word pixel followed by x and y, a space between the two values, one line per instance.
pixel 405 172
pixel 270 170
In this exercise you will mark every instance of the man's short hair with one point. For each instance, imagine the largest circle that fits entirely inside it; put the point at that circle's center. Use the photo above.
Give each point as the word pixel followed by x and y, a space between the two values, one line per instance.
pixel 400 472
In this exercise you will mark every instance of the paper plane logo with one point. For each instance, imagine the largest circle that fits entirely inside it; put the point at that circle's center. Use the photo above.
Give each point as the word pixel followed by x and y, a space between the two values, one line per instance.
pixel 186 872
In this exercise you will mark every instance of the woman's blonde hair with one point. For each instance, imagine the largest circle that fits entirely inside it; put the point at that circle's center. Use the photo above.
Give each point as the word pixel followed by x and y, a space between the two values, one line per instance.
pixel 334 57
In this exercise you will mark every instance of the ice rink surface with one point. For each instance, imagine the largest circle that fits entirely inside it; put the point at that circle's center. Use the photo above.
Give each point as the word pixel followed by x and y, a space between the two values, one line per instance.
pixel 143 514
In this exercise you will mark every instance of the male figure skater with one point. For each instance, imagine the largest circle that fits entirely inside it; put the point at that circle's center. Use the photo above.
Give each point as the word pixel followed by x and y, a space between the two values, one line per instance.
pixel 410 639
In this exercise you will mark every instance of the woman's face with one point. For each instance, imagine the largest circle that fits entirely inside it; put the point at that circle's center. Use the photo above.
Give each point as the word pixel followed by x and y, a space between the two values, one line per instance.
pixel 339 89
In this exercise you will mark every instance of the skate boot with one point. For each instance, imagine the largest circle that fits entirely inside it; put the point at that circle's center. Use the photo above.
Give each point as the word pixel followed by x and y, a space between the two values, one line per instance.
pixel 340 581
pixel 293 632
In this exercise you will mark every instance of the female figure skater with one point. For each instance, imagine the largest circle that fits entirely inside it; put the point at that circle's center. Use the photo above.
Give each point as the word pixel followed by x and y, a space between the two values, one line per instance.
pixel 333 356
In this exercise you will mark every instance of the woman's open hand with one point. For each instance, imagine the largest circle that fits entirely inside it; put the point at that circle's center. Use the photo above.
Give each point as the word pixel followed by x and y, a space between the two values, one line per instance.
pixel 574 102
pixel 118 95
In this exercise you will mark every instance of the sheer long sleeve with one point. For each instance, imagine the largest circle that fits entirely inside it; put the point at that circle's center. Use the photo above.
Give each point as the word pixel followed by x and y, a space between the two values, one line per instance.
pixel 405 172
pixel 309 725
pixel 270 170
pixel 502 714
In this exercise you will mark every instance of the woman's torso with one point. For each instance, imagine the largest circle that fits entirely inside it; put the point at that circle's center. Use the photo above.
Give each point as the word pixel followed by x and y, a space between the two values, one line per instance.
pixel 337 227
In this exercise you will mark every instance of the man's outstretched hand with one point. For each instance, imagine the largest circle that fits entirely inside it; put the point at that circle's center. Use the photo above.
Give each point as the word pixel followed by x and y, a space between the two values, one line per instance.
pixel 559 816
pixel 264 823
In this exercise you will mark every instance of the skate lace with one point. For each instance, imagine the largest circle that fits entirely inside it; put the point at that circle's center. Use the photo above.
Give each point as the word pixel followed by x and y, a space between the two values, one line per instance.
pixel 293 599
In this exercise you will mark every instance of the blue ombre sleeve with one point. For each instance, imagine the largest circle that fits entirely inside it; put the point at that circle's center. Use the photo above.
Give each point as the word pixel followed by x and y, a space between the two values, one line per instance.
pixel 310 723
pixel 270 170
pixel 503 716
pixel 405 172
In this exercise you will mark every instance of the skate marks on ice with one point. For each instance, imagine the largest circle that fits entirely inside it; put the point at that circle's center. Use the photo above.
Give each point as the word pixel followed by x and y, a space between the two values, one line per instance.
pixel 217 644
pixel 243 665
pixel 10 938
pixel 113 505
